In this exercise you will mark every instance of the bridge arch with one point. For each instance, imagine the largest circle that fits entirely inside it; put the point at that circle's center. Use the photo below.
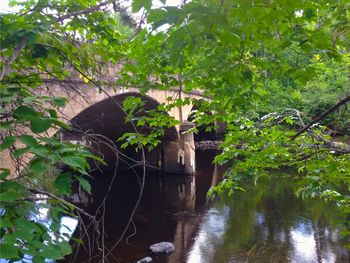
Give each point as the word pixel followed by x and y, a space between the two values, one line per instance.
pixel 107 118
pixel 87 95
pixel 84 97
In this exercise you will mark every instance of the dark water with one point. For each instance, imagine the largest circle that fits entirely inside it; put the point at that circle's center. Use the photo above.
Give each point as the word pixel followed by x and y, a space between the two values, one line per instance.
pixel 267 224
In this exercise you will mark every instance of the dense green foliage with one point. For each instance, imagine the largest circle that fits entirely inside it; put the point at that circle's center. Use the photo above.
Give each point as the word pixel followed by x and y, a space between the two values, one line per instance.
pixel 250 58
pixel 330 84
pixel 287 58
pixel 39 47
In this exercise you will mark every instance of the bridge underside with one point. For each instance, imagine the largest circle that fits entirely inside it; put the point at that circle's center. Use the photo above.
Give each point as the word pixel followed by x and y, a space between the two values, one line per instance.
pixel 102 124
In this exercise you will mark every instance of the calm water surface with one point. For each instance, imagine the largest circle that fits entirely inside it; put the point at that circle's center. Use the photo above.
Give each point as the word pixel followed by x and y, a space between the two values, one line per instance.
pixel 267 224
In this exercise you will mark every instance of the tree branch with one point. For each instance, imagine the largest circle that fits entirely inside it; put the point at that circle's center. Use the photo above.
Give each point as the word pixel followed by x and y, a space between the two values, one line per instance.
pixel 6 69
pixel 322 115
pixel 82 12
pixel 36 191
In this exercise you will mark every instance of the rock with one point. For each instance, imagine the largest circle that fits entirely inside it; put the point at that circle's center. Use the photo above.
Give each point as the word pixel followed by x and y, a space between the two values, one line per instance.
pixel 162 248
pixel 145 260
pixel 207 145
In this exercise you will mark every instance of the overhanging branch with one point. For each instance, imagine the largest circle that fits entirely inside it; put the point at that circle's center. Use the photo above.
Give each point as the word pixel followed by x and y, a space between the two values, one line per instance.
pixel 322 115
pixel 82 12
pixel 8 63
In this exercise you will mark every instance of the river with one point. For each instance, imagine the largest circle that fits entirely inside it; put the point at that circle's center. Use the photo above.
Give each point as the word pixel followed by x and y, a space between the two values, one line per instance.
pixel 264 224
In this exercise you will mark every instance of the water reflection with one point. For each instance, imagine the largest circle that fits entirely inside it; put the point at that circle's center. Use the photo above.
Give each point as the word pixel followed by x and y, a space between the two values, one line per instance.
pixel 209 236
pixel 68 225
pixel 41 215
pixel 267 229
pixel 264 224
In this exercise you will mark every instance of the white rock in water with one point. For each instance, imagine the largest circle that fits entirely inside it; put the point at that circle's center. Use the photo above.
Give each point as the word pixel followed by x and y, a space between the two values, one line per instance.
pixel 162 248
pixel 145 260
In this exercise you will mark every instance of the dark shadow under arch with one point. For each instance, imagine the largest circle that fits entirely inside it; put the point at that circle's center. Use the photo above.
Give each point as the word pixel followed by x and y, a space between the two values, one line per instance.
pixel 202 134
pixel 107 118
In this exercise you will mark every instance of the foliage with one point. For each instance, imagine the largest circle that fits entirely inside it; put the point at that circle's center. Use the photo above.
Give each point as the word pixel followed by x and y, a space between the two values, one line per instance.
pixel 46 43
pixel 22 236
pixel 253 58
pixel 330 84
pixel 239 53
pixel 155 121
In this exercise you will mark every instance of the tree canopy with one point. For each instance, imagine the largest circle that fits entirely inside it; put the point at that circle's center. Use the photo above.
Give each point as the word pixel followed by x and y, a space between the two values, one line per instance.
pixel 277 73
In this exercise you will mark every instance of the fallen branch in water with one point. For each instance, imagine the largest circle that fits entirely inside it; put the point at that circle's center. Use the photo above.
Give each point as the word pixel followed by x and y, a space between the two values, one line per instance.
pixel 322 115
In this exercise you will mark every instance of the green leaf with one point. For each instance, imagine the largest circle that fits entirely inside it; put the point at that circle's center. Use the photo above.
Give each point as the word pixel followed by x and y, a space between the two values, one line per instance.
pixel 11 185
pixel 8 142
pixel 61 124
pixel 4 173
pixel 63 184
pixel 5 223
pixel 9 196
pixel 65 247
pixel 51 252
pixel 24 234
pixel 53 113
pixel 289 120
pixel 6 125
pixel 32 37
pixel 98 159
pixel 8 251
pixel 85 184
pixel 247 75
pixel 138 4
pixel 39 259
pixel 9 239
pixel 25 112
pixel 28 140
pixel 59 101
pixel 19 152
pixel 75 161
pixel 39 166
pixel 40 150
pixel 77 240
pixel 39 125
pixel 45 26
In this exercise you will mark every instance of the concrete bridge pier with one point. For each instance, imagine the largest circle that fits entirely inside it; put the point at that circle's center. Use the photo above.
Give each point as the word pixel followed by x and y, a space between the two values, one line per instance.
pixel 188 147
pixel 179 156
pixel 174 156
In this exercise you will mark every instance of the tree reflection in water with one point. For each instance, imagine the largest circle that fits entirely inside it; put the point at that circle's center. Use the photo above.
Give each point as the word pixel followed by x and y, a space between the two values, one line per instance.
pixel 268 224
pixel 264 224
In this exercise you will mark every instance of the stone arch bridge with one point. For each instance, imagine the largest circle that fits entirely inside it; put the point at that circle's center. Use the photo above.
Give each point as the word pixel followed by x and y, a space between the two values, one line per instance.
pixel 92 111
pixel 100 113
